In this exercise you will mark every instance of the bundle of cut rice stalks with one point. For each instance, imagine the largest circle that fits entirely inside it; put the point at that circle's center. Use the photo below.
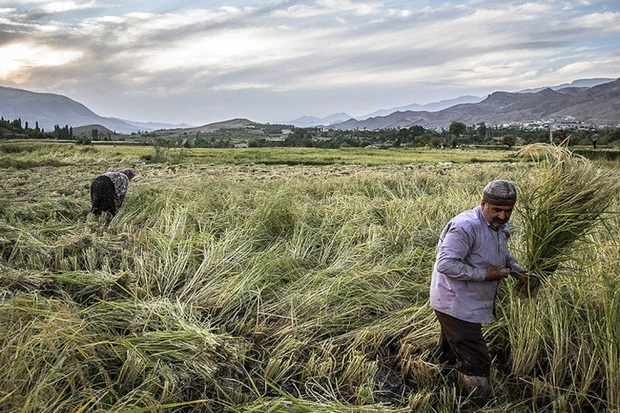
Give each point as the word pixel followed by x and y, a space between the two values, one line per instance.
pixel 561 205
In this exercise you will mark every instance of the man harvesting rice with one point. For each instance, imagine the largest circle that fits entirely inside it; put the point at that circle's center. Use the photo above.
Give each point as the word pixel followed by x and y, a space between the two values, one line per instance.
pixel 107 191
pixel 472 257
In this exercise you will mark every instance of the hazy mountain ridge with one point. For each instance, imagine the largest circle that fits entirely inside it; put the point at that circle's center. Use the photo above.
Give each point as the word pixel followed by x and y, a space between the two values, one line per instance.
pixel 429 107
pixel 598 105
pixel 575 83
pixel 49 109
pixel 151 126
pixel 310 121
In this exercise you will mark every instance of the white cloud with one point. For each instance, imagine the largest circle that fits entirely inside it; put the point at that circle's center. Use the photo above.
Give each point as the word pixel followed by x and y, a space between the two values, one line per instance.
pixel 65 6
pixel 18 57
pixel 244 86
pixel 604 22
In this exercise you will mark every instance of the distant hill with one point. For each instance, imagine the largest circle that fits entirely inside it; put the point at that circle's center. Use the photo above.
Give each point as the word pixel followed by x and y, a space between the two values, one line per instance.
pixel 87 130
pixel 311 121
pixel 598 105
pixel 49 109
pixel 151 126
pixel 7 132
pixel 575 83
pixel 212 127
pixel 429 107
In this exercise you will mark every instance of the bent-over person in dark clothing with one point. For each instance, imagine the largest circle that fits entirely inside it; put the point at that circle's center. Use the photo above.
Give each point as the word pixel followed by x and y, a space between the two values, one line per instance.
pixel 107 191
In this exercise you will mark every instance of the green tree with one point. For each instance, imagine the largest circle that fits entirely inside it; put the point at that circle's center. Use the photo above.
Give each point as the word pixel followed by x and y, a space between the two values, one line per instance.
pixel 457 128
pixel 509 140
pixel 402 136
pixel 611 136
pixel 482 130
pixel 307 142
pixel 424 139
pixel 436 141
pixel 63 133
pixel 298 137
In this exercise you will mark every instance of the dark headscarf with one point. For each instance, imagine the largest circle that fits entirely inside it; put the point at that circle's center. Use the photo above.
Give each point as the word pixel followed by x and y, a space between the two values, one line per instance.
pixel 129 172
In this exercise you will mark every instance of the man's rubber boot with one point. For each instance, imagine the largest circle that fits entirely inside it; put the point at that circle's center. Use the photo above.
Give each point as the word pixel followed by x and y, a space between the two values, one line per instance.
pixel 477 389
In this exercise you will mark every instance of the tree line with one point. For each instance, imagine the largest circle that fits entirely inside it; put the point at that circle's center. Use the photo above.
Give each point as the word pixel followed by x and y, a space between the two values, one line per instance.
pixel 24 130
pixel 457 135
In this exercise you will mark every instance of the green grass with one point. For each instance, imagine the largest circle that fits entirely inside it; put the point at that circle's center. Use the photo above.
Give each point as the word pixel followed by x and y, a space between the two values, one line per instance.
pixel 278 286
pixel 32 151
pixel 361 156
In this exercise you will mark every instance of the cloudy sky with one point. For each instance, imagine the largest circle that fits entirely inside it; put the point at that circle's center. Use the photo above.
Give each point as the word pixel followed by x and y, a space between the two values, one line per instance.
pixel 198 62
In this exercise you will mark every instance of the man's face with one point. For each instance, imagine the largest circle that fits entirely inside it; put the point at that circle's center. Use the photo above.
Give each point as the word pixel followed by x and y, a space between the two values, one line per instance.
pixel 496 215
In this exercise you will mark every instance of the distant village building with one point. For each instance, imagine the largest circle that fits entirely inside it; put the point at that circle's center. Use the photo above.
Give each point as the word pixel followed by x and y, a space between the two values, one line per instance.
pixel 569 123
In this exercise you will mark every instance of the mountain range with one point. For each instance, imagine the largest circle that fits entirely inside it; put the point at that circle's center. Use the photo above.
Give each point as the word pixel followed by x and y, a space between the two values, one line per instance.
pixel 595 101
pixel 49 109
pixel 598 105
pixel 309 121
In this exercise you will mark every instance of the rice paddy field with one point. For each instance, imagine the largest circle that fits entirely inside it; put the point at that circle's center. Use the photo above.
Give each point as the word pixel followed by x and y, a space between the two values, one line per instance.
pixel 258 281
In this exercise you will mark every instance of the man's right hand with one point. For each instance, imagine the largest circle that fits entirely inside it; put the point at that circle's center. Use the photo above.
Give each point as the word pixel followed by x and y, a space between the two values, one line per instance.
pixel 496 273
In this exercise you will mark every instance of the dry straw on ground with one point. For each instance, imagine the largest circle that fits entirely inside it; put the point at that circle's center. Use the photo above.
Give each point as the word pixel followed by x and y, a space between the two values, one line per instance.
pixel 238 288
